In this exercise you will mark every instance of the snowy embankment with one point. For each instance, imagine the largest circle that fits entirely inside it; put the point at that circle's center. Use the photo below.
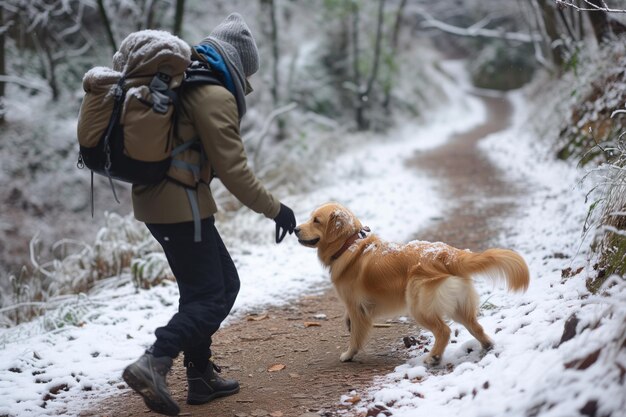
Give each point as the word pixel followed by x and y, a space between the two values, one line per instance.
pixel 531 371
pixel 59 371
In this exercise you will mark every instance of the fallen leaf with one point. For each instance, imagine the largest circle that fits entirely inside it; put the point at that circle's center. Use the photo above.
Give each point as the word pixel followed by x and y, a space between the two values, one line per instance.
pixel 353 400
pixel 381 325
pixel 257 317
pixel 277 367
pixel 276 414
pixel 311 324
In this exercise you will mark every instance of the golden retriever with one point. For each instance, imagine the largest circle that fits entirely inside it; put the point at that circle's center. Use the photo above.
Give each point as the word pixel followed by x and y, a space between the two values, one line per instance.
pixel 433 281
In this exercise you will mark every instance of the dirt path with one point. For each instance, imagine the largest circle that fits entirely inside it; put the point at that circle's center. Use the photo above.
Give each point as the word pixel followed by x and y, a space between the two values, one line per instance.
pixel 483 199
pixel 307 336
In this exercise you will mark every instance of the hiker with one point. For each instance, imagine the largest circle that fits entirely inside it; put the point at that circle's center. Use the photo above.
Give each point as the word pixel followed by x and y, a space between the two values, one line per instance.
pixel 204 271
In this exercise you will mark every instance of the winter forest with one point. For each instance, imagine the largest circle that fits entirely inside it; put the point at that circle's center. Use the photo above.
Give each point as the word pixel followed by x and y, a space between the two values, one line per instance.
pixel 476 123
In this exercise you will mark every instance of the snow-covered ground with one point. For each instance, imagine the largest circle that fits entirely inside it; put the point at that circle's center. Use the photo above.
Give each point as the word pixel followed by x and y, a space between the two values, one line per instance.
pixel 51 372
pixel 529 372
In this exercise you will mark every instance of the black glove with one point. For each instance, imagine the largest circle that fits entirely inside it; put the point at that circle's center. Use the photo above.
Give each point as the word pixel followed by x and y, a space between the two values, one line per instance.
pixel 285 220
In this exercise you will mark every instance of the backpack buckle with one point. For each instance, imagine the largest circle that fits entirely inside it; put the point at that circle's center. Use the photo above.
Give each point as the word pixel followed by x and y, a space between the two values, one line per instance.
pixel 159 82
pixel 166 78
pixel 159 102
pixel 158 86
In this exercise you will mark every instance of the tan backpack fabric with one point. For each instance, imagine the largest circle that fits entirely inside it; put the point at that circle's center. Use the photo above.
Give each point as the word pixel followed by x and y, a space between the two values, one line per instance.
pixel 127 121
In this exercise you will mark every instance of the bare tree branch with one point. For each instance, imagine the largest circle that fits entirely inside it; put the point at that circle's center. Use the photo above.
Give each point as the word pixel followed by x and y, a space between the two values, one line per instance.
pixel 107 25
pixel 566 23
pixel 535 23
pixel 591 7
pixel 3 69
pixel 476 30
pixel 149 14
pixel 394 41
pixel 379 36
pixel 555 44
pixel 74 52
pixel 266 127
pixel 178 17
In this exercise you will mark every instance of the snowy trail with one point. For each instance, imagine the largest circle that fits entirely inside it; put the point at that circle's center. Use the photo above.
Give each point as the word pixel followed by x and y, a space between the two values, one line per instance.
pixel 64 371
pixel 60 362
pixel 481 200
pixel 530 371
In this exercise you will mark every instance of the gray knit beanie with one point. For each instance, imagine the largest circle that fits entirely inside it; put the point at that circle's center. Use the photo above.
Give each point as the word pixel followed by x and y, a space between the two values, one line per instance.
pixel 234 42
pixel 234 31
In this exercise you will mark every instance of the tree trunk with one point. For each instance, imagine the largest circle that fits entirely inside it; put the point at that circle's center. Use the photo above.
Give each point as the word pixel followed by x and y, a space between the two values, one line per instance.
pixel 599 22
pixel 358 105
pixel 272 33
pixel 107 25
pixel 273 36
pixel 178 18
pixel 51 65
pixel 568 25
pixel 149 14
pixel 395 40
pixel 554 40
pixel 379 37
pixel 3 69
pixel 363 99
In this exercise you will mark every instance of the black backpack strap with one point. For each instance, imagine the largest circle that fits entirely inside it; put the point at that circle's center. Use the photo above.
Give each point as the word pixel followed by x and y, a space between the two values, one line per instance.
pixel 199 72
pixel 119 95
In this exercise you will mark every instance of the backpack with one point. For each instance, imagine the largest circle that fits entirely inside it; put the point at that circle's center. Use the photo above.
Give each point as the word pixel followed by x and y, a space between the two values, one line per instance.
pixel 127 122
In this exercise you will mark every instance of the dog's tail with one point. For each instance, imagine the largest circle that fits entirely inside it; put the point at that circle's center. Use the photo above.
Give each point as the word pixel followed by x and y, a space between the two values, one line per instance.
pixel 496 264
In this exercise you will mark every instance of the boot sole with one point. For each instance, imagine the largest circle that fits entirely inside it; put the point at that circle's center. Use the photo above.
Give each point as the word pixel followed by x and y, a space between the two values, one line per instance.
pixel 153 399
pixel 203 399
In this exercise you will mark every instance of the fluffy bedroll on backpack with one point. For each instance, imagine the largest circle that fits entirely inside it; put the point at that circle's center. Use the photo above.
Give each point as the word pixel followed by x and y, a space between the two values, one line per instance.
pixel 126 124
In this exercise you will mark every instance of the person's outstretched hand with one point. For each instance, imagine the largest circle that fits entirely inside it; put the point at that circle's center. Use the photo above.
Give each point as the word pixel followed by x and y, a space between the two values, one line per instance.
pixel 286 221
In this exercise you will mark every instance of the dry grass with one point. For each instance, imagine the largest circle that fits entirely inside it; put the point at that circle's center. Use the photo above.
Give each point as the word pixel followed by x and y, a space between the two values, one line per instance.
pixel 607 215
pixel 122 246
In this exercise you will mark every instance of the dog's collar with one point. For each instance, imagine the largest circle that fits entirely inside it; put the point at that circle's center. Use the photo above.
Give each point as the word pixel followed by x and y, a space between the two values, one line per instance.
pixel 360 234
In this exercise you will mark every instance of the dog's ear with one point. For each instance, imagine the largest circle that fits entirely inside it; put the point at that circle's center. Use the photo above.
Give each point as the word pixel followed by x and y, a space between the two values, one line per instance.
pixel 340 223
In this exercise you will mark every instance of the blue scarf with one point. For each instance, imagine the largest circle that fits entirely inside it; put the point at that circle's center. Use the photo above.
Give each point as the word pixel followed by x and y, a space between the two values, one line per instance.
pixel 217 64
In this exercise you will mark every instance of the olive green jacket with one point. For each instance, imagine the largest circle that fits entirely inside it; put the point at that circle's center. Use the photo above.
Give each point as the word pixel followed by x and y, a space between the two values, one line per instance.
pixel 209 112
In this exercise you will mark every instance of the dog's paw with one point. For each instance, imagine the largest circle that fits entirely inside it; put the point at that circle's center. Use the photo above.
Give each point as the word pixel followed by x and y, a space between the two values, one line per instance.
pixel 488 346
pixel 346 356
pixel 432 360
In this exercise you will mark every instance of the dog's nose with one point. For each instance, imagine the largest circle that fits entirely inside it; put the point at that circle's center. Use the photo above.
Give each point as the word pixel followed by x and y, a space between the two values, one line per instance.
pixel 296 231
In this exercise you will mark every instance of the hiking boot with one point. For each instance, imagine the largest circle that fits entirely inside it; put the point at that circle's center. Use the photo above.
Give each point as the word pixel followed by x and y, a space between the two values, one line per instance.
pixel 147 377
pixel 208 385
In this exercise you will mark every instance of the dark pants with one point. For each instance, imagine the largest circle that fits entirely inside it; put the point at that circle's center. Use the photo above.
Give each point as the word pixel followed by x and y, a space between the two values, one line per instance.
pixel 208 284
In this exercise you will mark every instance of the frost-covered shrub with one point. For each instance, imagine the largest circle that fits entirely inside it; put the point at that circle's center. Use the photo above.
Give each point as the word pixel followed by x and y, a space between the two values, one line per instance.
pixel 597 88
pixel 591 97
pixel 570 114
pixel 123 245
pixel 150 270
pixel 607 213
